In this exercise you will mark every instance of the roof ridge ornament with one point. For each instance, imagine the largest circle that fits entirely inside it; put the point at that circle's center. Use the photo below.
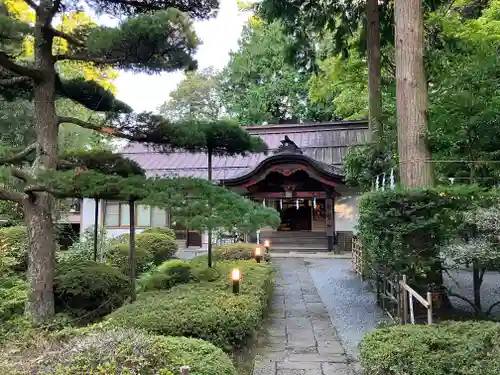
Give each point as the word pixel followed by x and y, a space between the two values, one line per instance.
pixel 288 146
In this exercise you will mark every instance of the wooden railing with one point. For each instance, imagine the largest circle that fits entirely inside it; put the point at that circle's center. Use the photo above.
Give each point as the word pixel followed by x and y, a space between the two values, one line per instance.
pixel 357 257
pixel 394 295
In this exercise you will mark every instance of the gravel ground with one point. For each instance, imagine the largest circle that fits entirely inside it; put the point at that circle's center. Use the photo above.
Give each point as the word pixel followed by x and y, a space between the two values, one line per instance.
pixel 351 306
pixel 460 283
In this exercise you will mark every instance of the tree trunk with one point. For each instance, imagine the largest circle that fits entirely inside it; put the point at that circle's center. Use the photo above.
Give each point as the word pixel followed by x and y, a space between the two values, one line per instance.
pixel 41 260
pixel 38 207
pixel 96 227
pixel 374 69
pixel 132 253
pixel 411 95
pixel 209 234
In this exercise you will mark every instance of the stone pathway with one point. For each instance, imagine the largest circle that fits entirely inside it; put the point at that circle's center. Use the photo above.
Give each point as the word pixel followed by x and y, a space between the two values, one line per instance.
pixel 301 339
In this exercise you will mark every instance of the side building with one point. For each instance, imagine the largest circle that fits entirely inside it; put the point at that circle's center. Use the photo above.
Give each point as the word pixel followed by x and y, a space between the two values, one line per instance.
pixel 301 177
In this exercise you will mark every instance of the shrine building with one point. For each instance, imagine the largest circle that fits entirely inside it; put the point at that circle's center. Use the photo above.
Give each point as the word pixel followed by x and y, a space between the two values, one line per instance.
pixel 301 177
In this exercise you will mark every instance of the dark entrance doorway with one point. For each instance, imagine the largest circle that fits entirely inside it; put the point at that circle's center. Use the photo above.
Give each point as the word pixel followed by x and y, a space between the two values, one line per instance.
pixel 296 215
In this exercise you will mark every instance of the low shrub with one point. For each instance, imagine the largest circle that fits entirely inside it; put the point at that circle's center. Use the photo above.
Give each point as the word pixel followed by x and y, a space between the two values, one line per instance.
pixel 14 244
pixel 465 348
pixel 118 256
pixel 235 251
pixel 13 296
pixel 161 246
pixel 205 310
pixel 119 352
pixel 89 288
pixel 161 230
pixel 166 276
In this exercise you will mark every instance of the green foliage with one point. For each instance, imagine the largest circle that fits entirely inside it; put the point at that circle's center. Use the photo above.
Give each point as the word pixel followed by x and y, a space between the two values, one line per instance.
pixel 161 230
pixel 102 161
pixel 364 163
pixel 206 310
pixel 258 84
pixel 118 352
pixel 91 95
pixel 152 42
pixel 196 97
pixel 161 246
pixel 236 251
pixel 83 248
pixel 166 276
pixel 466 348
pixel 89 289
pixel 13 296
pixel 14 245
pixel 118 256
pixel 402 231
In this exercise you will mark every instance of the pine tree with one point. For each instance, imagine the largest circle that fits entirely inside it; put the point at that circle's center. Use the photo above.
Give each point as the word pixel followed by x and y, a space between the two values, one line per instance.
pixel 153 36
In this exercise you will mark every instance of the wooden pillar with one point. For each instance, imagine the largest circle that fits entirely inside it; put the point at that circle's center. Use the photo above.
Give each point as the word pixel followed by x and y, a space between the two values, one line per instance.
pixel 330 222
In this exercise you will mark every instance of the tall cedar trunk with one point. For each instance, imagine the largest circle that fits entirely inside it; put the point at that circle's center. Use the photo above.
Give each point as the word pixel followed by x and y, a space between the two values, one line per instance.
pixel 209 234
pixel 411 95
pixel 132 253
pixel 38 208
pixel 374 69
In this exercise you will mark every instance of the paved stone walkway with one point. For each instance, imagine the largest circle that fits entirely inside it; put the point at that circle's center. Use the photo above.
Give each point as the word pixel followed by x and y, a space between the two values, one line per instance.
pixel 301 339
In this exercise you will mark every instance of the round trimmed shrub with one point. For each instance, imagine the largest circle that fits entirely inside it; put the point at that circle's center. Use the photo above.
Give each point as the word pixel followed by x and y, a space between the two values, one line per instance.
pixel 237 251
pixel 166 275
pixel 85 287
pixel 119 352
pixel 161 230
pixel 465 348
pixel 161 246
pixel 118 256
pixel 14 244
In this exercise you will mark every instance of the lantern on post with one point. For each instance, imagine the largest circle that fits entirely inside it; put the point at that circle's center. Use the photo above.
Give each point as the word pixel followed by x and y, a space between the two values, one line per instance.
pixel 236 277
pixel 258 254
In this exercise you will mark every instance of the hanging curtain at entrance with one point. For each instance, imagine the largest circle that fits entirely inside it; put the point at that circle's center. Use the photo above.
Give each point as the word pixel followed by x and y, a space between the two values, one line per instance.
pixel 264 203
pixel 297 204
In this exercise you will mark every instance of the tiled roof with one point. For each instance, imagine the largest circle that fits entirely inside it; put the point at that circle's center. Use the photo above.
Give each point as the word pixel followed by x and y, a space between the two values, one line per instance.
pixel 324 142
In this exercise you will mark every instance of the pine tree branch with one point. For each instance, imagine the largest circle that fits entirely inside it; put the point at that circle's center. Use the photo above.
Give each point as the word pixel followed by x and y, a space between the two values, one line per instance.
pixel 12 196
pixel 17 69
pixel 97 60
pixel 20 156
pixel 43 189
pixel 100 129
pixel 32 4
pixel 22 175
pixel 13 81
pixel 69 38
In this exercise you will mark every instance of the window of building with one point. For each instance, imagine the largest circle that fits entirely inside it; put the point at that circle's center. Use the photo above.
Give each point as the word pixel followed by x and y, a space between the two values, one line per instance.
pixel 117 214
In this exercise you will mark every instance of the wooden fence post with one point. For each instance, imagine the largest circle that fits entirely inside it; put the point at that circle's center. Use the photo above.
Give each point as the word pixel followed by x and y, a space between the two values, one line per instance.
pixel 405 301
pixel 429 309
pixel 185 370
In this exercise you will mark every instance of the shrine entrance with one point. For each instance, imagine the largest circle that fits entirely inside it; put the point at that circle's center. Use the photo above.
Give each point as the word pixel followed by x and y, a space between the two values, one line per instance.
pixel 300 188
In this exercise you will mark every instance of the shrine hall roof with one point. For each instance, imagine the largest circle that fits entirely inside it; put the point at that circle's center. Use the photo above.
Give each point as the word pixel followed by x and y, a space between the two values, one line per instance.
pixel 324 142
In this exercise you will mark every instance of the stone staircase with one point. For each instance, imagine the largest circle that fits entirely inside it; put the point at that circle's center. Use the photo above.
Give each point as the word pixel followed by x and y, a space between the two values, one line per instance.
pixel 285 242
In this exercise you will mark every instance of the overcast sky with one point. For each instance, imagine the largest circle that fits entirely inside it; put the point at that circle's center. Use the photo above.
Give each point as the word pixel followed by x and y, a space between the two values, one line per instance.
pixel 219 36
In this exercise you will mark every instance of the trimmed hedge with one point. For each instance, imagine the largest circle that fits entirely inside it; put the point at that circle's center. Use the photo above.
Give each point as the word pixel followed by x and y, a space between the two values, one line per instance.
pixel 237 251
pixel 119 352
pixel 161 230
pixel 166 275
pixel 453 348
pixel 118 256
pixel 14 244
pixel 161 246
pixel 84 287
pixel 205 310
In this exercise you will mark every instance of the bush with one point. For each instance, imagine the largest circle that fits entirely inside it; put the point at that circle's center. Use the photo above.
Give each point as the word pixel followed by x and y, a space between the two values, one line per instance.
pixel 236 251
pixel 118 256
pixel 83 249
pixel 402 231
pixel 161 230
pixel 465 348
pixel 166 275
pixel 13 296
pixel 89 288
pixel 14 244
pixel 206 310
pixel 119 352
pixel 161 246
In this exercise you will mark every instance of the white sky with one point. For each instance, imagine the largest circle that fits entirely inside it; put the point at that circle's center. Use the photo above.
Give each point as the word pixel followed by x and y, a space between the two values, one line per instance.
pixel 219 36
